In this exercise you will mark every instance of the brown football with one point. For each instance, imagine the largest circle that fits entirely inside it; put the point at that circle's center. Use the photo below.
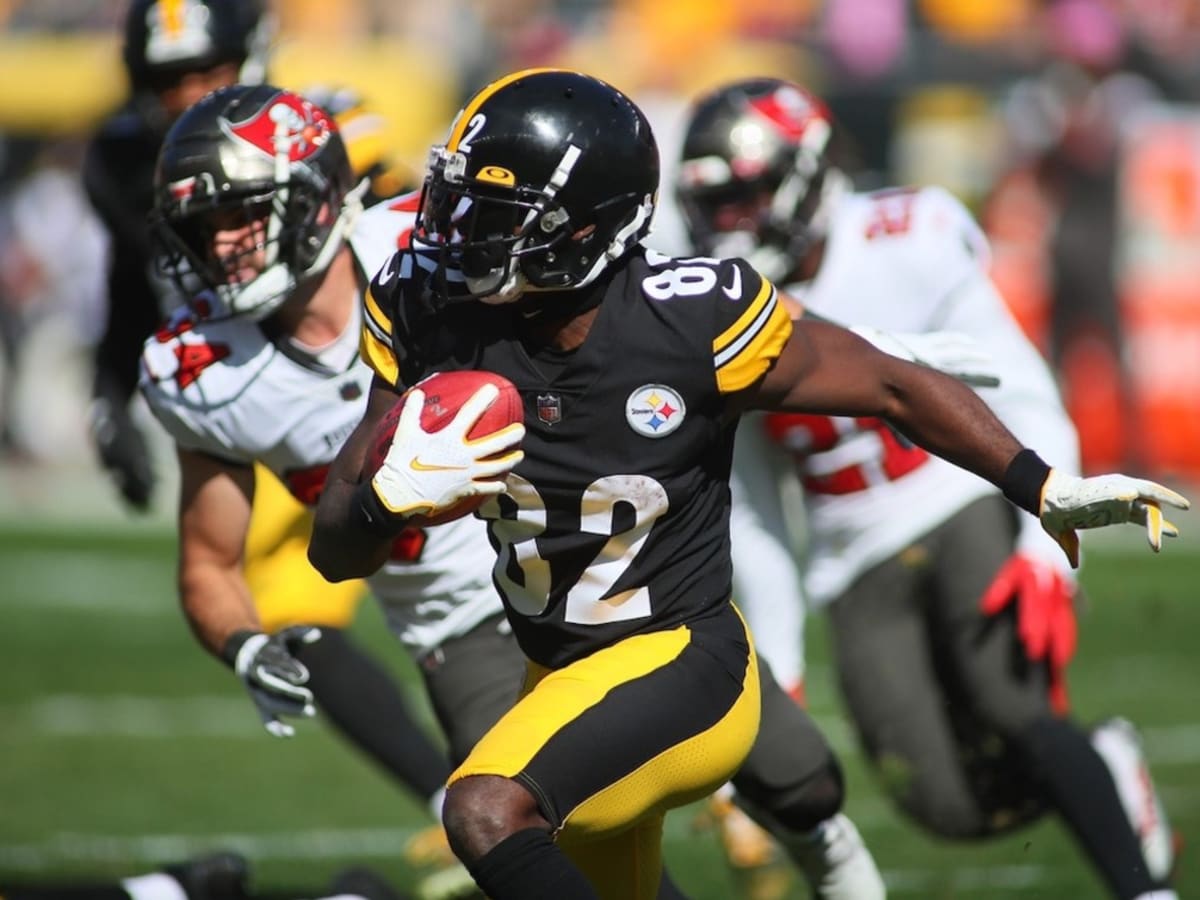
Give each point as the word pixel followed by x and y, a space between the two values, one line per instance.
pixel 445 393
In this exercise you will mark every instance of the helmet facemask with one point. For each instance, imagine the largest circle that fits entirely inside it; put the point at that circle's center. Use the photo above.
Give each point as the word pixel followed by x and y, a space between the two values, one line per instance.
pixel 294 236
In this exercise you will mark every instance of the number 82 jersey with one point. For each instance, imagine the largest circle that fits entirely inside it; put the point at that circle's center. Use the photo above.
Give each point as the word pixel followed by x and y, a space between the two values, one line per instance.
pixel 617 519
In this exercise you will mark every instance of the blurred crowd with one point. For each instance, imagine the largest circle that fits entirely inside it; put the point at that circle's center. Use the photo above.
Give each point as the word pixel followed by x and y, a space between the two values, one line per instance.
pixel 1069 126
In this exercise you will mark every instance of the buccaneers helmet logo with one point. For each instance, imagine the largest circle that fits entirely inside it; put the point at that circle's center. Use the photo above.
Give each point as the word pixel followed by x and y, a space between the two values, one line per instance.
pixel 302 126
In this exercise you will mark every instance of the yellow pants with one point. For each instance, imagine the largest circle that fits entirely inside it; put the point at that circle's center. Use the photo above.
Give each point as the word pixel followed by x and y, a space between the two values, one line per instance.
pixel 287 590
pixel 613 741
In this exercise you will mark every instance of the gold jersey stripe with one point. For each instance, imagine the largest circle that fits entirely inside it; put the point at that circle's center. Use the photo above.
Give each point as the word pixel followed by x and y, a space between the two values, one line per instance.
pixel 730 336
pixel 756 349
pixel 468 111
pixel 375 341
pixel 376 316
pixel 378 355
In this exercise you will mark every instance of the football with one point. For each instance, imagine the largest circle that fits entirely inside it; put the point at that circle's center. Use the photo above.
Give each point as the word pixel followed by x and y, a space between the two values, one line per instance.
pixel 445 393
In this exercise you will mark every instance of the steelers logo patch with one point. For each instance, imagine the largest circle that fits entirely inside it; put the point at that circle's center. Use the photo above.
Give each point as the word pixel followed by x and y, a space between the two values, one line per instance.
pixel 654 410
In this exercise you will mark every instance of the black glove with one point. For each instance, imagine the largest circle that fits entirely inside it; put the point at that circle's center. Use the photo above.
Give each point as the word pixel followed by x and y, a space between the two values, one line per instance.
pixel 272 675
pixel 123 451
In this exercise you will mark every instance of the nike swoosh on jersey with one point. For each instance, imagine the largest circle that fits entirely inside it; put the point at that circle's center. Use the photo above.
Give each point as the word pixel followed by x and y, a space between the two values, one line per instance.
pixel 733 290
pixel 417 466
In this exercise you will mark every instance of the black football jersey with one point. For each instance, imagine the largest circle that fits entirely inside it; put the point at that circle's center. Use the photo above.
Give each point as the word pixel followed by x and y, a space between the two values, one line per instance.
pixel 118 175
pixel 617 519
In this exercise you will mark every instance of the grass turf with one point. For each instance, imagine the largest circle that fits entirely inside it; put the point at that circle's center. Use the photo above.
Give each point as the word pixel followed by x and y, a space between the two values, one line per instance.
pixel 124 745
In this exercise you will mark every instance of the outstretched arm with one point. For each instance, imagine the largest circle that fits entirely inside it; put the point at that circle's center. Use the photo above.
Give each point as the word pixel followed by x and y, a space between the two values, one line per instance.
pixel 826 369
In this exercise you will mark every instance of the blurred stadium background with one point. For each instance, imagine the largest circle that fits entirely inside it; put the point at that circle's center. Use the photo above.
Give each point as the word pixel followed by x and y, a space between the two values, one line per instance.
pixel 1070 127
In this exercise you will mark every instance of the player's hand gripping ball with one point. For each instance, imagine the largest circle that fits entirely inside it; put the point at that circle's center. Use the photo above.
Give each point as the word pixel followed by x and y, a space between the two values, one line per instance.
pixel 444 464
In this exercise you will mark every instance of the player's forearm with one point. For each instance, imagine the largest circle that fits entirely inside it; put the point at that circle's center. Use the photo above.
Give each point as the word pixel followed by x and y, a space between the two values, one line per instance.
pixel 947 418
pixel 217 603
pixel 343 543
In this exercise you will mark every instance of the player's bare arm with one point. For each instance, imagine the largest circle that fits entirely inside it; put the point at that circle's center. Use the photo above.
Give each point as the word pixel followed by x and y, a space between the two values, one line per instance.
pixel 342 546
pixel 827 369
pixel 214 516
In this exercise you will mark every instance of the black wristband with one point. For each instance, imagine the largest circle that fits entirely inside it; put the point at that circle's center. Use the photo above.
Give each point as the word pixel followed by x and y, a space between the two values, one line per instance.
pixel 1023 480
pixel 233 645
pixel 372 516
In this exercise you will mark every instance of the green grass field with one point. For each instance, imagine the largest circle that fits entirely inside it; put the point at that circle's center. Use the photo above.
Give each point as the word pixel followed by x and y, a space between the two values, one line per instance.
pixel 123 745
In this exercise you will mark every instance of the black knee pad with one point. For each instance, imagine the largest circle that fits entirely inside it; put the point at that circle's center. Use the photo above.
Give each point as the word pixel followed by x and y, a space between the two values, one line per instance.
pixel 800 805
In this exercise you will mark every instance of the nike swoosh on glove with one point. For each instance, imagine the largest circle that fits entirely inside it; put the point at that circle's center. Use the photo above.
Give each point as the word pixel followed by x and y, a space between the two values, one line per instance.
pixel 1045 608
pixel 427 472
pixel 273 676
pixel 1070 503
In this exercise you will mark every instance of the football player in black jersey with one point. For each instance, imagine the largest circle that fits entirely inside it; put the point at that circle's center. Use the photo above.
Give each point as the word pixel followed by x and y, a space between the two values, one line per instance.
pixel 612 530
pixel 174 54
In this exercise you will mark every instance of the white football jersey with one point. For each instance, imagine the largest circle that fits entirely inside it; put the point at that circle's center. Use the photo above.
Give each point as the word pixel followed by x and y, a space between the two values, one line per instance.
pixel 224 388
pixel 910 261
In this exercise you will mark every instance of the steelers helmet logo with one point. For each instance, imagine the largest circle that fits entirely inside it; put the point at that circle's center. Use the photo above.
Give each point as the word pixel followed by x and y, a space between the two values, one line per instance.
pixel 497 175
pixel 654 410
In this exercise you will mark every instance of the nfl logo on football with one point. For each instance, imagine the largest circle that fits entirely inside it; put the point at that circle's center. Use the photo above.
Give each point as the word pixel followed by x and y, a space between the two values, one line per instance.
pixel 549 408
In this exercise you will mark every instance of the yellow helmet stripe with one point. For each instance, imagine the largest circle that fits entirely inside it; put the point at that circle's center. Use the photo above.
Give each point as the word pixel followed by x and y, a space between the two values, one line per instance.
pixel 172 16
pixel 468 111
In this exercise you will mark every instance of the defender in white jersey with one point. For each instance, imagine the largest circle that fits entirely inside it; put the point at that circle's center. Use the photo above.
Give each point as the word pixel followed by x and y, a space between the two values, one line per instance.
pixel 263 367
pixel 953 620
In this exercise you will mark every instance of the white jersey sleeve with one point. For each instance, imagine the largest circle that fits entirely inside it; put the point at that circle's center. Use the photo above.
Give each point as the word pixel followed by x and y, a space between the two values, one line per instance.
pixel 192 373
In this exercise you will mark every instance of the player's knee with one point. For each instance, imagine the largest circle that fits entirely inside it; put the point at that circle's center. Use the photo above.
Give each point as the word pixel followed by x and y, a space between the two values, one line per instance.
pixel 944 814
pixel 990 797
pixel 801 806
pixel 480 811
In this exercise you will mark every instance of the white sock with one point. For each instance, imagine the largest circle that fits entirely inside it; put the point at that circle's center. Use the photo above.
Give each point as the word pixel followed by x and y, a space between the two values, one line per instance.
pixel 156 887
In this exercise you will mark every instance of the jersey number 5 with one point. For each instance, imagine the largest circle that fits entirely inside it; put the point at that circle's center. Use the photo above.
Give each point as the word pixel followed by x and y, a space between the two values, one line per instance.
pixel 587 602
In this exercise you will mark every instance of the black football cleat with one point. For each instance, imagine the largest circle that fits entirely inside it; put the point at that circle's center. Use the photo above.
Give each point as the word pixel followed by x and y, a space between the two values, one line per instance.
pixel 365 883
pixel 218 876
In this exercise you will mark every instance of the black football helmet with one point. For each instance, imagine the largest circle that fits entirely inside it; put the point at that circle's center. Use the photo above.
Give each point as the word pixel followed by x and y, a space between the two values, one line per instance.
pixel 547 176
pixel 755 179
pixel 252 153
pixel 165 39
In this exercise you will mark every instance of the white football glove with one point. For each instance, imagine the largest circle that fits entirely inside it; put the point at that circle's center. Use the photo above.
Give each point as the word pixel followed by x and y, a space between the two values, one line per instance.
pixel 1070 503
pixel 950 352
pixel 274 677
pixel 426 472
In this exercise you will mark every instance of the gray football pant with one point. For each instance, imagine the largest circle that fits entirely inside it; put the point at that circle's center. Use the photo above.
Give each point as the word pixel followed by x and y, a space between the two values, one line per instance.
pixel 936 689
